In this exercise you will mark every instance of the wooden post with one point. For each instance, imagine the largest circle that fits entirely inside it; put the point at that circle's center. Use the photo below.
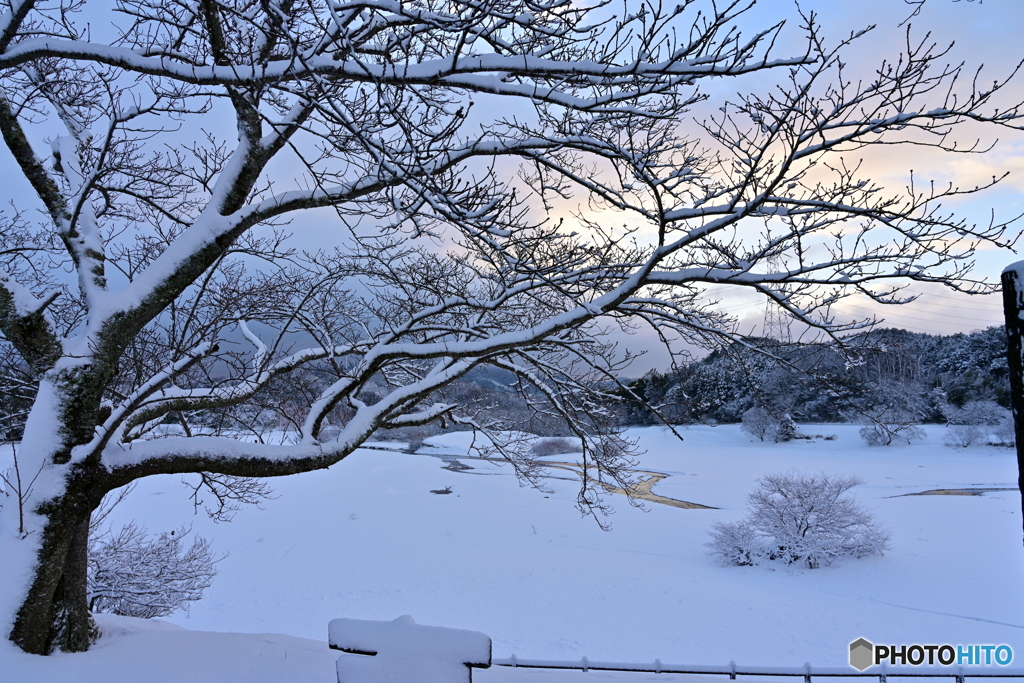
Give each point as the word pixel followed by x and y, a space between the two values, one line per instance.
pixel 1013 309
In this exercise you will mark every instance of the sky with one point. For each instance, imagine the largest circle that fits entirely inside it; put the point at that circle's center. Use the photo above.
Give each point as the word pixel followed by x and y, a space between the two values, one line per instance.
pixel 979 32
pixel 984 33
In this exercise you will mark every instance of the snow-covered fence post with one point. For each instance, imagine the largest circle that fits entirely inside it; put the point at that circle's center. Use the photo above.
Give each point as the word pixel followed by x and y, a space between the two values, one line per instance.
pixel 1013 309
pixel 400 651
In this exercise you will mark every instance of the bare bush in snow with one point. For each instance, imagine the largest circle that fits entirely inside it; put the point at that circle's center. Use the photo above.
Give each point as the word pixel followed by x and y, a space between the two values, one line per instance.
pixel 962 436
pixel 760 423
pixel 800 518
pixel 737 543
pixel 137 575
pixel 1006 433
pixel 981 412
pixel 971 423
pixel 891 425
pixel 882 434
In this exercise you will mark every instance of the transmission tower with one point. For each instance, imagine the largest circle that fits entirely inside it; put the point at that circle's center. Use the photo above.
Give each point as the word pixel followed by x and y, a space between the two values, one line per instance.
pixel 776 320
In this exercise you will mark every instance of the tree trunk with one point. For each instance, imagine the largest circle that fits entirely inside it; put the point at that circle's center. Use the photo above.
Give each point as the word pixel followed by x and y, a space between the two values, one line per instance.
pixel 56 502
pixel 55 612
pixel 1013 309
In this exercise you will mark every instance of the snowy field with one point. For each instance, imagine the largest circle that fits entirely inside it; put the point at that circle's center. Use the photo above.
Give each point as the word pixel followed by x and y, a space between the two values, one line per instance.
pixel 368 540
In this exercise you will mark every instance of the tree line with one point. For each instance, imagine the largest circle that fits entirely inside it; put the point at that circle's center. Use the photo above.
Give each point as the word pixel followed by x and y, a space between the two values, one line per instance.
pixel 922 377
pixel 894 375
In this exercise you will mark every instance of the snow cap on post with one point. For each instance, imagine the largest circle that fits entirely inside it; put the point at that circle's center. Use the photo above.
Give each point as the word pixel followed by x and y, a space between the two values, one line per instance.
pixel 1013 290
pixel 402 650
pixel 1016 267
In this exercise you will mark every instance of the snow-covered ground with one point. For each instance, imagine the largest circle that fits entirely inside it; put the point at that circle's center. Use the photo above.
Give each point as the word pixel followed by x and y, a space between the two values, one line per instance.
pixel 368 540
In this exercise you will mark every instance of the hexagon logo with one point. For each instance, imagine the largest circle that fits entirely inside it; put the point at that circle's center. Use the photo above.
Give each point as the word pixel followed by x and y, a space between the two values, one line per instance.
pixel 861 654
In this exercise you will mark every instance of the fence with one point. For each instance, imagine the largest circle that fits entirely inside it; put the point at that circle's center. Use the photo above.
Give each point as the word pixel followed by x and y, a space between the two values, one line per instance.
pixel 401 650
pixel 807 672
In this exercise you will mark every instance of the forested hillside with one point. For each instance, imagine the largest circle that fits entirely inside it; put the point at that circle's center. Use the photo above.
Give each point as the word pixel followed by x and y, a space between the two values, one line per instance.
pixel 905 375
pixel 901 376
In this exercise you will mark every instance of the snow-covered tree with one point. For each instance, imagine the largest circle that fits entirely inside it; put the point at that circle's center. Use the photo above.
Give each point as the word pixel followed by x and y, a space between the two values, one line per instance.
pixel 764 424
pixel 444 147
pixel 891 425
pixel 800 518
pixel 972 422
pixel 983 412
pixel 760 424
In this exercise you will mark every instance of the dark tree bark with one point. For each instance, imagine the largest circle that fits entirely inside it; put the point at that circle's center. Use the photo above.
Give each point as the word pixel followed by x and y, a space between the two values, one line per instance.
pixel 1013 309
pixel 55 614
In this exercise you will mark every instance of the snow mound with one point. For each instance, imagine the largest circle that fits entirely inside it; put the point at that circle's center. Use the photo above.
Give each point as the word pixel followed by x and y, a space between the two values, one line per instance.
pixel 402 651
pixel 113 625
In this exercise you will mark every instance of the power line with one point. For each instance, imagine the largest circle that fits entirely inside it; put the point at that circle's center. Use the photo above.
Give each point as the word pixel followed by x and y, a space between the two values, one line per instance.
pixel 901 316
pixel 962 302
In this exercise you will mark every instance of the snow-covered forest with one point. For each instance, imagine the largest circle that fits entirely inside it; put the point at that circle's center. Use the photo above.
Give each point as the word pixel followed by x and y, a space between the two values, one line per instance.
pixel 927 378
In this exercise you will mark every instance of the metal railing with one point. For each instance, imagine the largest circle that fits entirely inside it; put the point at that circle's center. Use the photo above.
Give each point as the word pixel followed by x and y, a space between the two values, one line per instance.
pixel 807 672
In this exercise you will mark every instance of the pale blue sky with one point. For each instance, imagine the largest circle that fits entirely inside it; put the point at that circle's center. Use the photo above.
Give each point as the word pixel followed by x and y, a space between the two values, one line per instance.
pixel 986 33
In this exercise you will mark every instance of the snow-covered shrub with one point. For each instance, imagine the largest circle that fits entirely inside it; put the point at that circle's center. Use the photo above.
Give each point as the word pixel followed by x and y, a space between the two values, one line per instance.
pixel 1005 433
pixel 982 412
pixel 736 543
pixel 134 575
pixel 786 429
pixel 554 446
pixel 882 434
pixel 962 436
pixel 968 423
pixel 875 435
pixel 796 517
